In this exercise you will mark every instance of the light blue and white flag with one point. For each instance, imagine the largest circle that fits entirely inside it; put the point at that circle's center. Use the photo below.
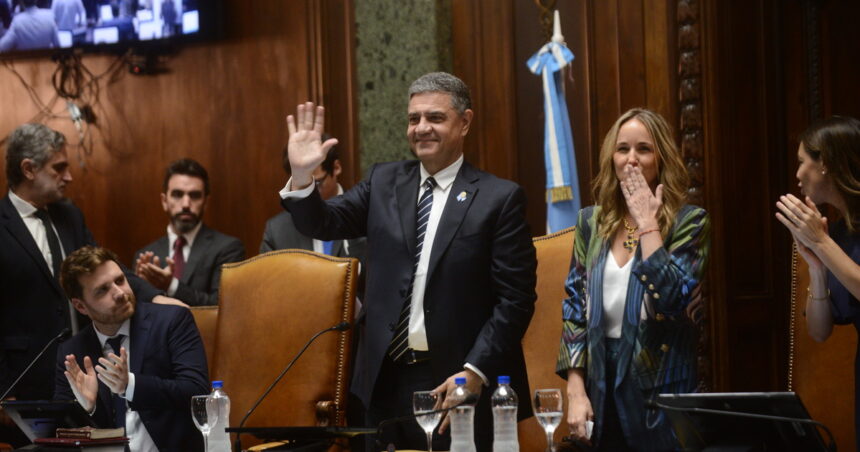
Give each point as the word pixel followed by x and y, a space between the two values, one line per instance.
pixel 562 183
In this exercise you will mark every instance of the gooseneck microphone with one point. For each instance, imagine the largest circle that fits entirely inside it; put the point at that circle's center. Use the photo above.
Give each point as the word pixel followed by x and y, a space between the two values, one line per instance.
pixel 60 337
pixel 342 326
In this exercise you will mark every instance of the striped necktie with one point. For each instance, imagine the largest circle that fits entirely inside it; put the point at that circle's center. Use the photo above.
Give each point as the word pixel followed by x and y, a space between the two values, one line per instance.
pixel 400 341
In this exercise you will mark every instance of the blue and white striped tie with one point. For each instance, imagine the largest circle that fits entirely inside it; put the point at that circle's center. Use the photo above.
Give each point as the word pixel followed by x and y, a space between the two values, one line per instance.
pixel 400 342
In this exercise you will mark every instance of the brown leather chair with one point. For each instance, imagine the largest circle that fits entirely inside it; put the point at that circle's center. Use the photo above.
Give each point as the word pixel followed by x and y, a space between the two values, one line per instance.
pixel 206 318
pixel 541 341
pixel 822 374
pixel 270 305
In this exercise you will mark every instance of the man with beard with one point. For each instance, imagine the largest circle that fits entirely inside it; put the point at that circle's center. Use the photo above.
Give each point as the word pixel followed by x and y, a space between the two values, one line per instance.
pixel 38 228
pixel 103 366
pixel 186 263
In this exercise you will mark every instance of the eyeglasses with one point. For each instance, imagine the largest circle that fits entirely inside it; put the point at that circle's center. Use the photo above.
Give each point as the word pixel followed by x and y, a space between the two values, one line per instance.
pixel 319 182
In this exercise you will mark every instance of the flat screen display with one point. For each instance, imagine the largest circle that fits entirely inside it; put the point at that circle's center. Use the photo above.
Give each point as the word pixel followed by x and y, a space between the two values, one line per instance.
pixel 44 25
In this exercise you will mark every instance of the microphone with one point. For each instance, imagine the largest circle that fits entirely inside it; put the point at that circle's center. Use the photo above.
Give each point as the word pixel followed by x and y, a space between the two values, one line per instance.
pixel 471 399
pixel 58 338
pixel 653 404
pixel 342 326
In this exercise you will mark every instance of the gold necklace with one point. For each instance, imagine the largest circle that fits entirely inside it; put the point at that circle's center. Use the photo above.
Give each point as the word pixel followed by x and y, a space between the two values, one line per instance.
pixel 631 242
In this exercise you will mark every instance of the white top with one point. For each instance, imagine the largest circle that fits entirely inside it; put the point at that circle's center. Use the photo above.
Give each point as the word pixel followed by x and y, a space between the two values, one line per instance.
pixel 33 28
pixel 186 250
pixel 138 438
pixel 615 280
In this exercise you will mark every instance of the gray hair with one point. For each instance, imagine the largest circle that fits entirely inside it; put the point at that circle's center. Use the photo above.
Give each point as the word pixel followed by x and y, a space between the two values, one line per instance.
pixel 443 82
pixel 36 142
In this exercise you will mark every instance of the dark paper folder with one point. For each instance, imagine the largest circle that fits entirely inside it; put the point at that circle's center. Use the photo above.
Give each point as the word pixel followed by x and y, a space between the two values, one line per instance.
pixel 720 422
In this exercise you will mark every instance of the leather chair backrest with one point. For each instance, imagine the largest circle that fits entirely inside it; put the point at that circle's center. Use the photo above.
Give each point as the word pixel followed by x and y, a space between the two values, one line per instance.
pixel 206 318
pixel 822 374
pixel 541 341
pixel 270 306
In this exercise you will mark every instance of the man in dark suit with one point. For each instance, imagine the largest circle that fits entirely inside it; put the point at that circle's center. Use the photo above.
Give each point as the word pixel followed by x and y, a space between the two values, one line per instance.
pixel 450 263
pixel 137 365
pixel 38 228
pixel 281 232
pixel 186 263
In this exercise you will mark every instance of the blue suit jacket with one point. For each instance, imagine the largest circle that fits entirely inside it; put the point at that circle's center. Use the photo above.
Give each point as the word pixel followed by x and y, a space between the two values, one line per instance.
pixel 169 366
pixel 480 289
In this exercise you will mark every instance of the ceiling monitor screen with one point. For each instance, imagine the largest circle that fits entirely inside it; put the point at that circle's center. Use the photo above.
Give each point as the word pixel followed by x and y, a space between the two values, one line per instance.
pixel 33 26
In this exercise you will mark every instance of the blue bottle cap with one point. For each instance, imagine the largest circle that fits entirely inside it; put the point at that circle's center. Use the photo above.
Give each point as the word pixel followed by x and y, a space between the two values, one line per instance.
pixel 504 380
pixel 460 380
pixel 217 384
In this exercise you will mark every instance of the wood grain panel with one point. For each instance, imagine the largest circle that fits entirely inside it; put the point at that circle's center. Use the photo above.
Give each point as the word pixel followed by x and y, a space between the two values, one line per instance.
pixel 222 103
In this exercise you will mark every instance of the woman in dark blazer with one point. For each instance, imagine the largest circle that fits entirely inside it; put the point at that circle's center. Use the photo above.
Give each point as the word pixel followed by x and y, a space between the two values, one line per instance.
pixel 639 255
pixel 829 173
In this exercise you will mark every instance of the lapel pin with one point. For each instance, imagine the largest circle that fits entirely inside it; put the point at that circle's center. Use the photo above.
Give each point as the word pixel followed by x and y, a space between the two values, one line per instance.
pixel 461 197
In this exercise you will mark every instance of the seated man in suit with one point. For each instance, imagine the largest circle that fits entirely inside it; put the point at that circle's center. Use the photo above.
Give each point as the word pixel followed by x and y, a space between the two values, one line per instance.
pixel 38 228
pixel 103 366
pixel 186 263
pixel 281 232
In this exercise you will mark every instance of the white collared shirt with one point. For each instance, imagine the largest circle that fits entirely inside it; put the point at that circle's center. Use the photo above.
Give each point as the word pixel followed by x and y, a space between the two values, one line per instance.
pixel 37 229
pixel 139 439
pixel 186 250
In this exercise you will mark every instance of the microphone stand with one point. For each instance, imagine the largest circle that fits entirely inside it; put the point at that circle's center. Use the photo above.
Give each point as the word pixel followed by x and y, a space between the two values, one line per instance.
pixel 63 334
pixel 342 326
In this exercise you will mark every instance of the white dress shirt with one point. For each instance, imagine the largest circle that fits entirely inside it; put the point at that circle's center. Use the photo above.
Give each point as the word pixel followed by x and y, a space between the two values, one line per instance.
pixel 36 228
pixel 186 251
pixel 139 439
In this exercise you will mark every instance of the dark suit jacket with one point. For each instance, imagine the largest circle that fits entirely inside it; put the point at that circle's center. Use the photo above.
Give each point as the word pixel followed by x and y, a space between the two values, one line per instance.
pixel 480 290
pixel 33 307
pixel 281 234
pixel 198 285
pixel 169 366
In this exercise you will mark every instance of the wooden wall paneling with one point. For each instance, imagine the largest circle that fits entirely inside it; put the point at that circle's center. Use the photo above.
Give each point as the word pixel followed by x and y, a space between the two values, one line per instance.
pixel 222 103
pixel 746 173
pixel 483 46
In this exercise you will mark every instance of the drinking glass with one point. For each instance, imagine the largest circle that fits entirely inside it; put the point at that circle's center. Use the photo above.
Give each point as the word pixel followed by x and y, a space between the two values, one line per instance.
pixel 426 402
pixel 548 411
pixel 204 412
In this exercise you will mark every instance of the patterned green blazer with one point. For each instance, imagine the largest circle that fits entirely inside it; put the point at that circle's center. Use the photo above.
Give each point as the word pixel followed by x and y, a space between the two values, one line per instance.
pixel 657 353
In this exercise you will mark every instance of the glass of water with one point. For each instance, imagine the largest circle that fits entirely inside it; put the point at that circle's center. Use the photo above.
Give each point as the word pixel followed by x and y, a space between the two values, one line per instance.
pixel 548 411
pixel 204 411
pixel 427 402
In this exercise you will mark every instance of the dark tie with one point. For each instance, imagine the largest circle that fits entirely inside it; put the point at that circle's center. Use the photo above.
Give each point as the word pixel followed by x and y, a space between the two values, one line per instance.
pixel 53 241
pixel 178 257
pixel 118 402
pixel 400 341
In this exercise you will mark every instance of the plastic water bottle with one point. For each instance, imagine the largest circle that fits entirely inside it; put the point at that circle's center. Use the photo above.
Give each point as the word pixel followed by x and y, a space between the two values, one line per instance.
pixel 219 440
pixel 462 420
pixel 505 404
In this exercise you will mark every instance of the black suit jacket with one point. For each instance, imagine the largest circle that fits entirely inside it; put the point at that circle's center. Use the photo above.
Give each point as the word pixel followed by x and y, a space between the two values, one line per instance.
pixel 169 366
pixel 33 307
pixel 480 290
pixel 199 283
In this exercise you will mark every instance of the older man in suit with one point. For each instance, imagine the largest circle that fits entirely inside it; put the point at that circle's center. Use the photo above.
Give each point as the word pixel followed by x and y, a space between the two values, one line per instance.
pixel 38 228
pixel 186 263
pixel 137 365
pixel 450 265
